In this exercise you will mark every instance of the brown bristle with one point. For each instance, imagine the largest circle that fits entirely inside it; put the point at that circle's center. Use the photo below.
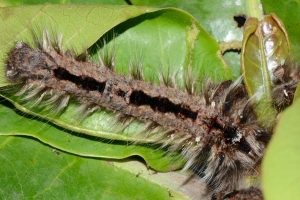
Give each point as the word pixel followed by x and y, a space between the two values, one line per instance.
pixel 251 193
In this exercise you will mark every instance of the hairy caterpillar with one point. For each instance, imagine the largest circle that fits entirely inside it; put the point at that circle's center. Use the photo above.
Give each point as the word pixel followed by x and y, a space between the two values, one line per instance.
pixel 286 79
pixel 216 131
pixel 245 194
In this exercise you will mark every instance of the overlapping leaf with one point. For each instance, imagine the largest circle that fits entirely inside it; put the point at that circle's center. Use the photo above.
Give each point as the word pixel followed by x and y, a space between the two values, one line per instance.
pixel 281 164
pixel 265 47
pixel 47 173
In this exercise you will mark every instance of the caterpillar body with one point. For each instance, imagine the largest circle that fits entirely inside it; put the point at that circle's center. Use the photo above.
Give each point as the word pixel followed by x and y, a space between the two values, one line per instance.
pixel 286 79
pixel 216 131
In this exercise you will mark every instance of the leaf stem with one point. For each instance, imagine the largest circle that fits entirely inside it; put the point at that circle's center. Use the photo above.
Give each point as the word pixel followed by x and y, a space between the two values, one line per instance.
pixel 255 9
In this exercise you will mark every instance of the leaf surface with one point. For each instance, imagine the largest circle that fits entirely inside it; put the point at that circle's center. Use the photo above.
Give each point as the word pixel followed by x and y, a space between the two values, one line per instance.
pixel 281 163
pixel 32 170
pixel 76 143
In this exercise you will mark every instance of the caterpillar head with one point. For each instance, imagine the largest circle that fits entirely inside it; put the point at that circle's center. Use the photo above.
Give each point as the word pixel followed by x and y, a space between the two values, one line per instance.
pixel 23 59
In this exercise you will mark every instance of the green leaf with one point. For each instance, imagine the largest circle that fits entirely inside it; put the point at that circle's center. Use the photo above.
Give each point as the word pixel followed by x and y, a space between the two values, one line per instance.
pixel 6 3
pixel 76 143
pixel 32 170
pixel 217 19
pixel 215 16
pixel 281 163
pixel 77 24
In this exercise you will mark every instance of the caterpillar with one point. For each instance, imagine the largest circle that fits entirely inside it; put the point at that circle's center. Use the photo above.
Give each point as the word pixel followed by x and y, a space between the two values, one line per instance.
pixel 286 79
pixel 216 131
pixel 251 193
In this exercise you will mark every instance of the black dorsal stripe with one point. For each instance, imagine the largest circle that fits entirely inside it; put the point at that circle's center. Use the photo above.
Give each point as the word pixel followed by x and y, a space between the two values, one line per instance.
pixel 162 105
pixel 84 82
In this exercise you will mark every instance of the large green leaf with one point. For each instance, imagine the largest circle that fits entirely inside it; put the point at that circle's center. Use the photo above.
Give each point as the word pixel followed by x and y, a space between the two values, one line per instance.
pixel 5 3
pixel 17 124
pixel 217 18
pixel 281 164
pixel 46 173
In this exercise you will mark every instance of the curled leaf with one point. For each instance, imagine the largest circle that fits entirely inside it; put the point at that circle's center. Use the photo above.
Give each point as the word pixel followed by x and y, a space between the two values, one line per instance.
pixel 265 46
